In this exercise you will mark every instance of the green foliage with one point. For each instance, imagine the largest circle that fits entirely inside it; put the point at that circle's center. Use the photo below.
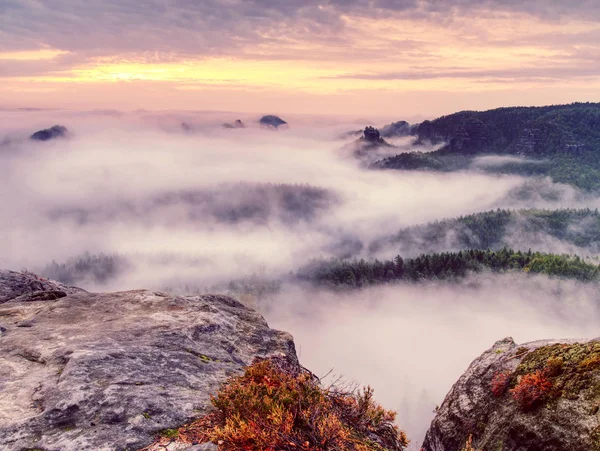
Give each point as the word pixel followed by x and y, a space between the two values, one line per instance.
pixel 169 433
pixel 411 161
pixel 447 265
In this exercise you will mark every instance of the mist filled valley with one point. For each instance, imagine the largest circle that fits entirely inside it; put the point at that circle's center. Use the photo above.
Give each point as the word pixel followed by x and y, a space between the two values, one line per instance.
pixel 392 277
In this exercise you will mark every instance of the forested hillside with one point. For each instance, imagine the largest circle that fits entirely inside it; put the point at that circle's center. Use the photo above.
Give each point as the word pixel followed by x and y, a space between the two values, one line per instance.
pixel 447 265
pixel 496 229
pixel 565 139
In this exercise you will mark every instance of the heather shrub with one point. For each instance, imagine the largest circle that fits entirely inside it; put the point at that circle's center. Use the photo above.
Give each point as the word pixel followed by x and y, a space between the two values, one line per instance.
pixel 276 405
pixel 499 383
pixel 531 390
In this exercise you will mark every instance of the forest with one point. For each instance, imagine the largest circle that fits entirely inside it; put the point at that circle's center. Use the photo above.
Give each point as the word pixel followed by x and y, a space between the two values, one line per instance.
pixel 443 266
pixel 227 203
pixel 561 142
pixel 87 268
pixel 496 229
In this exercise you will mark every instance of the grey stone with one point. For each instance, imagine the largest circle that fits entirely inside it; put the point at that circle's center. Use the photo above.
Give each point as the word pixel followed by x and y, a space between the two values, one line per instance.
pixel 26 286
pixel 108 371
pixel 470 408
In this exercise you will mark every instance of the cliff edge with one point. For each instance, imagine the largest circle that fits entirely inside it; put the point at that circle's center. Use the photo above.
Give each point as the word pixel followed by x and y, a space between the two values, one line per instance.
pixel 108 371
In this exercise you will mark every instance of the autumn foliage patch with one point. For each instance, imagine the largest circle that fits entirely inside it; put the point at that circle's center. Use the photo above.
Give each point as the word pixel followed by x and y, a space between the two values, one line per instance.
pixel 276 405
pixel 531 390
pixel 499 383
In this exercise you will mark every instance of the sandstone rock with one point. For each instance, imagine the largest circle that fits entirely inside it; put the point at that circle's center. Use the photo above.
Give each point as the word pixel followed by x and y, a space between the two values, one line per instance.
pixel 372 135
pixel 108 371
pixel 472 137
pixel 237 124
pixel 57 131
pixel 566 418
pixel 528 141
pixel 272 121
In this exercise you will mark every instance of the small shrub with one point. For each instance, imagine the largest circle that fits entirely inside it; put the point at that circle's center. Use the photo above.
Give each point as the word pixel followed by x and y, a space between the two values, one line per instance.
pixel 500 382
pixel 469 445
pixel 531 390
pixel 277 406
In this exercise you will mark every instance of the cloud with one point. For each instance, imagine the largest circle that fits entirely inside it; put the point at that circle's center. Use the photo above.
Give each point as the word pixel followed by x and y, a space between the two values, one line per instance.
pixel 221 26
pixel 530 73
pixel 138 184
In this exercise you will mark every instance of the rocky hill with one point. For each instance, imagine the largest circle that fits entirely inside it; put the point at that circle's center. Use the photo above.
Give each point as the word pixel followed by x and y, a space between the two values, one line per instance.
pixel 559 141
pixel 108 371
pixel 517 130
pixel 542 395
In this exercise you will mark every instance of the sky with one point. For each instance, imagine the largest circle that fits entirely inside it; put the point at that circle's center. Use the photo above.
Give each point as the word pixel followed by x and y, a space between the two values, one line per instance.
pixel 393 58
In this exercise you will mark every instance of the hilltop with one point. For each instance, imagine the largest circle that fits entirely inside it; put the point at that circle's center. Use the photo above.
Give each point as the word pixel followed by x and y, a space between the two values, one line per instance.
pixel 560 141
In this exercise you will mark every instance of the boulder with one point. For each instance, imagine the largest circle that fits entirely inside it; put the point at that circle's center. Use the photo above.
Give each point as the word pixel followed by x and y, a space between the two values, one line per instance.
pixel 372 135
pixel 109 371
pixel 273 122
pixel 543 395
pixel 57 131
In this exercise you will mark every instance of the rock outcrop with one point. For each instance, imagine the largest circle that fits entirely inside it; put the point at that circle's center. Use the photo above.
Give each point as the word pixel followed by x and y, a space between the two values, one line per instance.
pixel 472 137
pixel 237 124
pixel 538 396
pixel 272 122
pixel 56 131
pixel 369 147
pixel 108 371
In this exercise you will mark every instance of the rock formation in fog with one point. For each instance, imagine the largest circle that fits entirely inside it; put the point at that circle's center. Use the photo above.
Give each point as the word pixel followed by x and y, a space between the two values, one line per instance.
pixel 237 124
pixel 272 121
pixel 56 131
pixel 100 371
pixel 393 130
pixel 543 395
pixel 370 141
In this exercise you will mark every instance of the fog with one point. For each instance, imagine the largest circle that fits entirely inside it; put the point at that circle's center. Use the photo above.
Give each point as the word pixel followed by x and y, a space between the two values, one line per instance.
pixel 195 207
pixel 104 189
pixel 412 342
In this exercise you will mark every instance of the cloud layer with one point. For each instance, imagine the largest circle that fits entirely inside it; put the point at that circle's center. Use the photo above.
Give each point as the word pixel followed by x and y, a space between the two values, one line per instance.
pixel 380 54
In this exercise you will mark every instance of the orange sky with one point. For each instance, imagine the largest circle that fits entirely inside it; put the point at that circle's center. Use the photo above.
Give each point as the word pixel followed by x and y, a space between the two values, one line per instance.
pixel 313 59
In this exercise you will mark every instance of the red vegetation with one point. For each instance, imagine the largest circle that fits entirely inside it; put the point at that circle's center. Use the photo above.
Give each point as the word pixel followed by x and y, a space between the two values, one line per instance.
pixel 277 406
pixel 531 389
pixel 500 383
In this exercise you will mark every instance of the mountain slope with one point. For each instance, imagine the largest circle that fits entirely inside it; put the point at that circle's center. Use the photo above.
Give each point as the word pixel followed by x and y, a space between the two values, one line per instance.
pixel 560 141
